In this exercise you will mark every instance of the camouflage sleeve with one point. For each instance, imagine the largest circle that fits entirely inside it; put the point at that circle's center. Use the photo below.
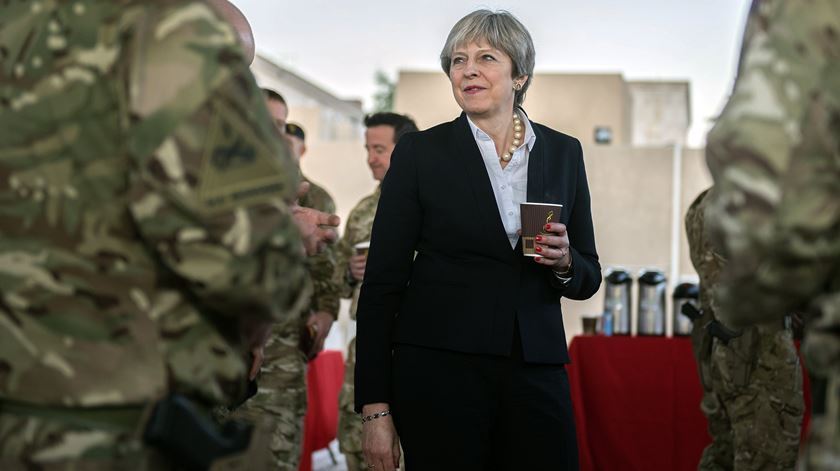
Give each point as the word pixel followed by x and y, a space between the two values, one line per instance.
pixel 699 248
pixel 212 182
pixel 343 252
pixel 325 296
pixel 773 156
pixel 356 230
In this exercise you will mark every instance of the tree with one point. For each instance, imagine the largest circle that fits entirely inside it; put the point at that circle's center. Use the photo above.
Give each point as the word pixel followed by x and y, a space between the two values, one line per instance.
pixel 383 99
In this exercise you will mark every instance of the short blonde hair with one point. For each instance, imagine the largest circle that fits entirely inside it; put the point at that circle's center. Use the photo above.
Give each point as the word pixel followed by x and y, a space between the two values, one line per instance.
pixel 500 30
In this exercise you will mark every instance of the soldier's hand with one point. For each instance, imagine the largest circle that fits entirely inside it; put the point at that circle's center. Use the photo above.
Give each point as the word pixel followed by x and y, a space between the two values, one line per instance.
pixel 357 267
pixel 258 355
pixel 320 322
pixel 317 229
pixel 303 189
pixel 256 335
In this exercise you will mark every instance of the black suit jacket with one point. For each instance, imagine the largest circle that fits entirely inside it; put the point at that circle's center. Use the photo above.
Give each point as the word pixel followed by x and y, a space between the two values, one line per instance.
pixel 466 287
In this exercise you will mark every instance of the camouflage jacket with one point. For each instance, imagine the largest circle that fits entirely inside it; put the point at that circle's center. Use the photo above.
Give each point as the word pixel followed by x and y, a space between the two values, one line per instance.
pixel 325 295
pixel 773 154
pixel 357 229
pixel 706 260
pixel 143 209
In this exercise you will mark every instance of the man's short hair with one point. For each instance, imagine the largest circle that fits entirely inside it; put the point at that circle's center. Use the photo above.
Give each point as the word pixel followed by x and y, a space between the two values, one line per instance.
pixel 273 95
pixel 401 123
pixel 294 129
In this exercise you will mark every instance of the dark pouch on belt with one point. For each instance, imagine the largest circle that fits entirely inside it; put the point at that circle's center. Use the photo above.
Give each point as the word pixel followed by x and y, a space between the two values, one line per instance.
pixel 191 439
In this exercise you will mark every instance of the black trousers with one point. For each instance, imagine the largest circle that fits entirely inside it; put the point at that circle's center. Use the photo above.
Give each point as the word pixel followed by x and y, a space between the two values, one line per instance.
pixel 461 412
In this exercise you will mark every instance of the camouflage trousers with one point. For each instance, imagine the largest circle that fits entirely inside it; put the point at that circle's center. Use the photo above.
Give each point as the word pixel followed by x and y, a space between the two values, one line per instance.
pixel 54 441
pixel 718 455
pixel 281 397
pixel 349 423
pixel 753 401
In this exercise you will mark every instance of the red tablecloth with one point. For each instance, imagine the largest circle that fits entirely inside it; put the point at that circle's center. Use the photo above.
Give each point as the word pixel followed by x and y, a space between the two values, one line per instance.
pixel 637 403
pixel 324 376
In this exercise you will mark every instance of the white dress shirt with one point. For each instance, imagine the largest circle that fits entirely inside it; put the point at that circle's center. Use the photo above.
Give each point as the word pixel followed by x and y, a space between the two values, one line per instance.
pixel 510 185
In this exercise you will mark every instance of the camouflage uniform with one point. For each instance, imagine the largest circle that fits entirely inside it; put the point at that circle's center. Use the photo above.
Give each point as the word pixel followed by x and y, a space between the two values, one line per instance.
pixel 282 381
pixel 776 213
pixel 719 453
pixel 322 266
pixel 752 386
pixel 143 222
pixel 357 229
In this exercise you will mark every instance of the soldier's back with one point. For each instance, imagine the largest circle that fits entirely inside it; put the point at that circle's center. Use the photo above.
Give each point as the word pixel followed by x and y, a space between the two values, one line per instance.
pixel 73 271
pixel 773 156
pixel 112 243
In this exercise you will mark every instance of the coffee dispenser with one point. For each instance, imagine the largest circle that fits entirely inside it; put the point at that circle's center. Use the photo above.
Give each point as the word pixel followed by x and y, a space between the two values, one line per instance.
pixel 684 293
pixel 651 307
pixel 617 302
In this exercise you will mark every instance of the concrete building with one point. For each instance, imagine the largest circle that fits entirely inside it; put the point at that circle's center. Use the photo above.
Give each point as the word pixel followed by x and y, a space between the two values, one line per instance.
pixel 325 116
pixel 659 112
pixel 601 109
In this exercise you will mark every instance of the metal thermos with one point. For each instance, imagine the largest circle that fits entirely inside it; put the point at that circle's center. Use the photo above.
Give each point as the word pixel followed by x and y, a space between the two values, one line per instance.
pixel 684 293
pixel 651 308
pixel 618 301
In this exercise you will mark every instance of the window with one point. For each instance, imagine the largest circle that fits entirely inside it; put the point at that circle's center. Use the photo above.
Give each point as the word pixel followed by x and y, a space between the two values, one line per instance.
pixel 603 135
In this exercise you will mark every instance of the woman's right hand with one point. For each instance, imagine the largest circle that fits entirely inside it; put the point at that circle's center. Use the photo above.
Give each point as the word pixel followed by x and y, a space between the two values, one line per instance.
pixel 380 442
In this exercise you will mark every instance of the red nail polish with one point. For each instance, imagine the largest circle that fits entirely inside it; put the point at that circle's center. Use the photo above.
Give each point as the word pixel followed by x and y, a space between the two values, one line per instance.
pixel 538 238
pixel 537 259
pixel 538 249
pixel 548 227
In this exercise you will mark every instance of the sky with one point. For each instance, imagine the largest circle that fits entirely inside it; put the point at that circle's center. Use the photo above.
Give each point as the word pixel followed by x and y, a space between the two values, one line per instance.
pixel 339 45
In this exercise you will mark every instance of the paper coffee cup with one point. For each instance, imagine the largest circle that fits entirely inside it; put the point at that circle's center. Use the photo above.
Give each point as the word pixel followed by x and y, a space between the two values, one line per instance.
pixel 362 248
pixel 534 217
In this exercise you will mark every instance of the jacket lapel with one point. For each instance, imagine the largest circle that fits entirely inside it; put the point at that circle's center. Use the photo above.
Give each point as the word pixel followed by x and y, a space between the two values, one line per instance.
pixel 536 170
pixel 470 160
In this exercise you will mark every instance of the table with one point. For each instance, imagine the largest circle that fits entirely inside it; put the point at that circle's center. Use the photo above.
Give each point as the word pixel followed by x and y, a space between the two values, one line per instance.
pixel 637 403
pixel 324 376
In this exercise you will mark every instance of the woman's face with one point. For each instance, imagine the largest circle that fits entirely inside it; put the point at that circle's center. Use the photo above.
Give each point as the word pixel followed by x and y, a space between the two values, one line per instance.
pixel 481 78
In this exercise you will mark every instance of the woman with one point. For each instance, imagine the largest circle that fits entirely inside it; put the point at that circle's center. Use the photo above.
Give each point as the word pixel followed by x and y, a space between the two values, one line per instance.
pixel 461 348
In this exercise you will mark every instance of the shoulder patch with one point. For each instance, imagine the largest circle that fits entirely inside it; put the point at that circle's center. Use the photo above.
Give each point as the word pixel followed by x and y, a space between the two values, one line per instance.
pixel 237 168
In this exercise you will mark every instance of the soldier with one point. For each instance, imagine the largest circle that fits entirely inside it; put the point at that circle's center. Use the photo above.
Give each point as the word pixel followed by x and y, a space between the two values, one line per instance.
pixel 322 267
pixel 752 381
pixel 383 131
pixel 279 110
pixel 281 394
pixel 147 237
pixel 773 155
pixel 297 136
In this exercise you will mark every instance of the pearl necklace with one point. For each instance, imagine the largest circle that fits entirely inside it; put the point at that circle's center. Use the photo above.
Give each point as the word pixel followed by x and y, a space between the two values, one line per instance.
pixel 517 139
